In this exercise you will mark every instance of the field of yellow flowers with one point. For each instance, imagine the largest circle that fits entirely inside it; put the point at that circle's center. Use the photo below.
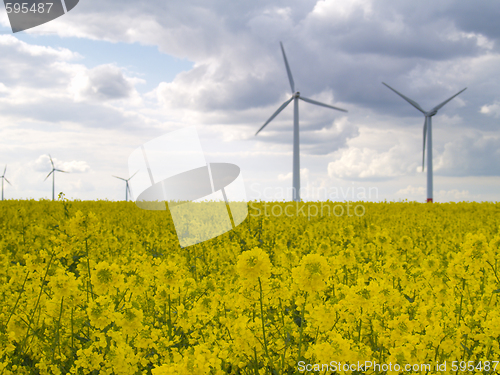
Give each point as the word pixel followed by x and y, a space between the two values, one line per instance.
pixel 99 287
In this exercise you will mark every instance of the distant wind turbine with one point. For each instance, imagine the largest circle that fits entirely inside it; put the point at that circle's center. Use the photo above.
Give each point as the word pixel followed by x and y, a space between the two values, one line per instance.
pixel 4 178
pixel 296 153
pixel 427 132
pixel 53 175
pixel 127 188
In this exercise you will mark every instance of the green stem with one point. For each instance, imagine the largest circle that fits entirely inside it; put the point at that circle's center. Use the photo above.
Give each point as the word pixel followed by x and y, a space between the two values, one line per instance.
pixel 18 298
pixel 36 305
pixel 264 326
pixel 256 362
pixel 72 335
pixel 56 335
pixel 284 338
pixel 461 300
pixel 169 319
pixel 359 330
pixel 88 269
pixel 301 328
pixel 122 298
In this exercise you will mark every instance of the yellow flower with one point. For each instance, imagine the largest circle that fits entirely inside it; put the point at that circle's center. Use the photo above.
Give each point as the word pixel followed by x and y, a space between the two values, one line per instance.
pixel 348 232
pixel 312 274
pixel 130 320
pixel 324 248
pixel 169 275
pixel 17 329
pixel 64 284
pixel 406 243
pixel 105 278
pixel 430 292
pixel 100 312
pixel 254 264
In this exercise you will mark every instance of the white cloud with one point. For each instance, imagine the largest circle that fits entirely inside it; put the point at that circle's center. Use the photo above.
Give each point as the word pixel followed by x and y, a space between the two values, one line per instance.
pixel 20 48
pixel 285 177
pixel 469 155
pixel 339 52
pixel 343 9
pixel 454 195
pixel 491 109
pixel 43 164
pixel 273 21
pixel 304 176
pixel 355 163
pixel 75 166
pixel 104 82
pixel 411 191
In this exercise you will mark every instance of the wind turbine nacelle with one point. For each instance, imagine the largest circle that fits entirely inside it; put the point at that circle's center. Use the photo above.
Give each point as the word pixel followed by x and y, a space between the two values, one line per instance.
pixel 205 199
pixel 431 113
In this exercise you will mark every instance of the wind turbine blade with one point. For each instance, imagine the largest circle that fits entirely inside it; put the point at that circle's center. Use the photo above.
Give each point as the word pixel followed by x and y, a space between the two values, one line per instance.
pixel 119 178
pixel 60 171
pixel 321 104
pixel 52 171
pixel 275 114
pixel 436 108
pixel 132 175
pixel 7 181
pixel 288 71
pixel 5 169
pixel 51 161
pixel 412 102
pixel 425 134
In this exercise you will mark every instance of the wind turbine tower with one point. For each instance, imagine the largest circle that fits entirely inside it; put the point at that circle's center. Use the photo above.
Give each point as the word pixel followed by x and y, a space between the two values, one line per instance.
pixel 52 172
pixel 4 178
pixel 427 132
pixel 127 188
pixel 296 150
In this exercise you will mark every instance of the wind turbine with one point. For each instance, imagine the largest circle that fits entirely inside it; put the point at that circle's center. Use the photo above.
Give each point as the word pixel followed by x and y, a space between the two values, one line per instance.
pixel 296 153
pixel 52 172
pixel 4 178
pixel 427 132
pixel 127 188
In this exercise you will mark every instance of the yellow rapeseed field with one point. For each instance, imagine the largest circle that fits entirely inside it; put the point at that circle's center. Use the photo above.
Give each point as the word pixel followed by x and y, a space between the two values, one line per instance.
pixel 99 287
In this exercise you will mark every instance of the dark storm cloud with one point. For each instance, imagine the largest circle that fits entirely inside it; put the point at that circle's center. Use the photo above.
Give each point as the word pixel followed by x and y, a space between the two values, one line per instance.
pixel 388 31
pixel 346 47
pixel 59 110
pixel 475 17
pixel 106 83
pixel 339 52
pixel 470 155
pixel 42 85
pixel 314 140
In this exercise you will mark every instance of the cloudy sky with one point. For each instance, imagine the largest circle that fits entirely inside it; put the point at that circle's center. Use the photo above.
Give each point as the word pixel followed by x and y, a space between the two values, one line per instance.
pixel 93 85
